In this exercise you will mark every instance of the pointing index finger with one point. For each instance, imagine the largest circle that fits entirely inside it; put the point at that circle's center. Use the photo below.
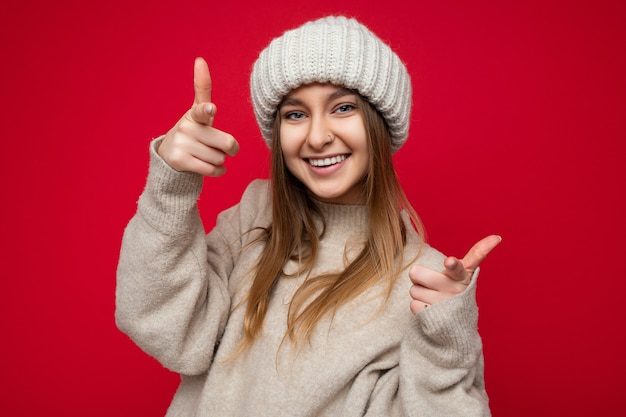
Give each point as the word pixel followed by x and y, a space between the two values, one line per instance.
pixel 201 81
pixel 479 251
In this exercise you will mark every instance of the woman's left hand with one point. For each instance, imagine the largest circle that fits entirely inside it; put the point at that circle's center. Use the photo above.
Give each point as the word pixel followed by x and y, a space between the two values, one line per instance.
pixel 430 287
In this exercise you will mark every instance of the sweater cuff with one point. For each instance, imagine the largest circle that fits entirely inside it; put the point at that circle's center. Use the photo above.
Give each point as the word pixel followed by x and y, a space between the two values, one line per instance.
pixel 447 332
pixel 170 196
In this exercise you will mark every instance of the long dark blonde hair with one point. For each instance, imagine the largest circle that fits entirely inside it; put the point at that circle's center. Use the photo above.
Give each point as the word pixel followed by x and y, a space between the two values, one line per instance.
pixel 293 235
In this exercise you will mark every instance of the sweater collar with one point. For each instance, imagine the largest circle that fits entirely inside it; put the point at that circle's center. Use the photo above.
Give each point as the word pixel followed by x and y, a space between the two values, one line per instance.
pixel 344 219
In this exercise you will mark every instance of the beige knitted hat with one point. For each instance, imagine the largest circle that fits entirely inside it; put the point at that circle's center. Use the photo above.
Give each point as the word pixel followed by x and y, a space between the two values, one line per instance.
pixel 333 50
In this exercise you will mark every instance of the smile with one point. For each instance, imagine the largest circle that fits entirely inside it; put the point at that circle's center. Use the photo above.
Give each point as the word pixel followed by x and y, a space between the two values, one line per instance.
pixel 325 162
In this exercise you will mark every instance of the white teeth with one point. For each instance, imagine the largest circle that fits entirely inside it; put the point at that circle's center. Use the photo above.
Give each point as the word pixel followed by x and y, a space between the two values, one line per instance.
pixel 327 161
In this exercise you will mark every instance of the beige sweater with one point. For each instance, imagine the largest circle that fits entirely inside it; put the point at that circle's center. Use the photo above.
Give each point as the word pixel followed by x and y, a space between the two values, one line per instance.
pixel 177 293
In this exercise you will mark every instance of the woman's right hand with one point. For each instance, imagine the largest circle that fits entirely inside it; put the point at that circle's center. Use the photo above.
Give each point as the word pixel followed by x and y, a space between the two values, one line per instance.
pixel 193 144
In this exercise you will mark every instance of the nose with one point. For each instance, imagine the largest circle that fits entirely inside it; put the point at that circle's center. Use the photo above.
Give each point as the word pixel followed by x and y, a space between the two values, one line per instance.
pixel 319 132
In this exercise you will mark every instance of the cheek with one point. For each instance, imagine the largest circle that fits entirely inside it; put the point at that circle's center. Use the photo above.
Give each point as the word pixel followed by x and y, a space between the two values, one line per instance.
pixel 288 141
pixel 355 136
pixel 285 148
pixel 290 148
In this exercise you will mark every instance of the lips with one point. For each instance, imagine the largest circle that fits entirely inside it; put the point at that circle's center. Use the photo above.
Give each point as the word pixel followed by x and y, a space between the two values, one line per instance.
pixel 326 162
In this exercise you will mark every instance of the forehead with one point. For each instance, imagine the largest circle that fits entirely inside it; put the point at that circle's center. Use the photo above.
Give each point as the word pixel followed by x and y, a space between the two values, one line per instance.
pixel 310 91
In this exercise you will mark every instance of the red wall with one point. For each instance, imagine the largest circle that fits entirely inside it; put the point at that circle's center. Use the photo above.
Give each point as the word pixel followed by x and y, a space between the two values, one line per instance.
pixel 519 129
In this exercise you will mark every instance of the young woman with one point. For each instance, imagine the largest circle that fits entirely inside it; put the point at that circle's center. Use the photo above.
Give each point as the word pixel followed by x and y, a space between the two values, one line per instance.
pixel 315 295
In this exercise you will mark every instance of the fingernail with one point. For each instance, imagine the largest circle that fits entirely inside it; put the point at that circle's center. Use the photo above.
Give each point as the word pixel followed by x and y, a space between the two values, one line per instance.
pixel 208 108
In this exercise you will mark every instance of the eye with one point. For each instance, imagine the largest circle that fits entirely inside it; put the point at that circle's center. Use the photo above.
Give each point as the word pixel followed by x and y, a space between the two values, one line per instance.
pixel 345 108
pixel 294 115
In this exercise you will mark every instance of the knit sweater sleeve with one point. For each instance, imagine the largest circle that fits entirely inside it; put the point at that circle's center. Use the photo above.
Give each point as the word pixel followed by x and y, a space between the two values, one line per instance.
pixel 171 293
pixel 441 361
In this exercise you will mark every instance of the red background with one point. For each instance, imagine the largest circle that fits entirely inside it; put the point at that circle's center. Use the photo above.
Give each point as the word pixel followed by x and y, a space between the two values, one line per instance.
pixel 518 129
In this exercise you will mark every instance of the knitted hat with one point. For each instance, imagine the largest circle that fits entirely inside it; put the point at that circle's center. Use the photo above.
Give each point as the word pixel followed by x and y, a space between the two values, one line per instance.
pixel 333 50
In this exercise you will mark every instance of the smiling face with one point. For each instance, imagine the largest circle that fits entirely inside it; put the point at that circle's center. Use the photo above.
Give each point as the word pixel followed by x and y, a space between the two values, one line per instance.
pixel 324 142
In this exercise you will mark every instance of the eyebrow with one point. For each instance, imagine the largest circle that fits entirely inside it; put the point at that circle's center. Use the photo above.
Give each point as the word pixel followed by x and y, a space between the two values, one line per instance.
pixel 341 93
pixel 291 101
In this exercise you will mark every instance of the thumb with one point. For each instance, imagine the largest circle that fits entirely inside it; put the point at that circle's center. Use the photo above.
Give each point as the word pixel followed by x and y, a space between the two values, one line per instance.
pixel 201 81
pixel 455 269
